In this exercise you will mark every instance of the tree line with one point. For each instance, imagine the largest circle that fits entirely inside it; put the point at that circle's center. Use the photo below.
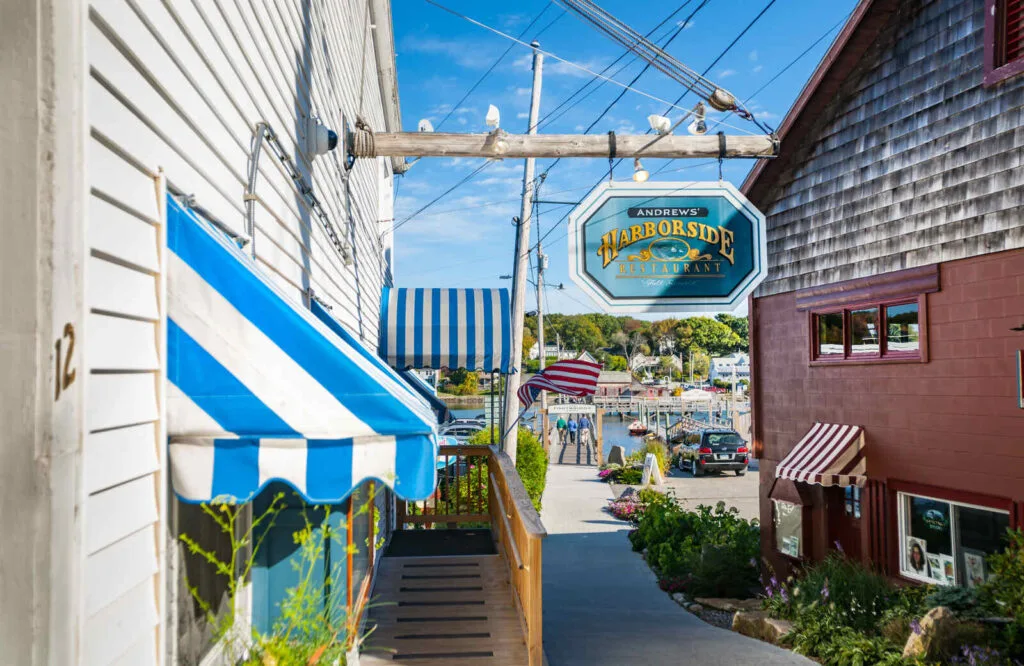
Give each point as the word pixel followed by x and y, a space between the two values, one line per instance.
pixel 617 341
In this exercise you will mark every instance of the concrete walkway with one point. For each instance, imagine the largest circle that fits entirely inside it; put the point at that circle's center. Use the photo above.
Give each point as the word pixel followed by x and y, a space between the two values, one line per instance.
pixel 602 605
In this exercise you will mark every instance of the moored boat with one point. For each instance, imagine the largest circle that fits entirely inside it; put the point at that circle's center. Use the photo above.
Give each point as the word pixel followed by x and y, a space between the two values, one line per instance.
pixel 637 428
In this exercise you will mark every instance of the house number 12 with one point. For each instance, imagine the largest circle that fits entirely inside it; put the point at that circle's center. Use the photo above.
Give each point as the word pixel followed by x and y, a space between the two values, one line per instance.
pixel 66 375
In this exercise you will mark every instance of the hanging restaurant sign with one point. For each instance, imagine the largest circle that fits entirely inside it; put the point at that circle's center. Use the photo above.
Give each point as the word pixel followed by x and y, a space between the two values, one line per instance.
pixel 667 247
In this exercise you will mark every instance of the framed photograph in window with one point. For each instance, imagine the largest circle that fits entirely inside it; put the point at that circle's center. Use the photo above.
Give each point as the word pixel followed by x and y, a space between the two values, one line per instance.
pixel 974 567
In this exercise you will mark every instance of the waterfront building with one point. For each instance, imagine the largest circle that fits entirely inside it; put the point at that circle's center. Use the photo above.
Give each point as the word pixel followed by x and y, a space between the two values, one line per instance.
pixel 886 340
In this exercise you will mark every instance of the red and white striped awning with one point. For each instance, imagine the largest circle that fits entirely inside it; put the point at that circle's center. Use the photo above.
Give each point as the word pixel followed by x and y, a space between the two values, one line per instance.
pixel 828 455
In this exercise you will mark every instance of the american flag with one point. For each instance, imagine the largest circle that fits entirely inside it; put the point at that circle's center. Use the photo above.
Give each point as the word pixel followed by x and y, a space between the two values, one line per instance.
pixel 570 377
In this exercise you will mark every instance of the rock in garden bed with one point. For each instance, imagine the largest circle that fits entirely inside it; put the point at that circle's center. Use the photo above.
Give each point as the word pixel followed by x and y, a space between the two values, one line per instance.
pixel 757 624
pixel 731 605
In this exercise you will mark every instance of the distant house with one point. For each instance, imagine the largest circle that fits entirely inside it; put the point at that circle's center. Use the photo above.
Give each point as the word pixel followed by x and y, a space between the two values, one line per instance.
pixel 724 367
pixel 552 351
pixel 614 383
pixel 586 356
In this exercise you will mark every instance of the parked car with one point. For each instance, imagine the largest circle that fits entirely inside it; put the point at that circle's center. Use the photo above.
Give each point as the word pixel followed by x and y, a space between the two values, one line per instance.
pixel 713 450
pixel 461 430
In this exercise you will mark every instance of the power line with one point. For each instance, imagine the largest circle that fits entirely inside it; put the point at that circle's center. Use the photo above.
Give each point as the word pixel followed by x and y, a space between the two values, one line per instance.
pixel 545 120
pixel 498 62
pixel 444 194
pixel 681 27
pixel 685 92
pixel 548 53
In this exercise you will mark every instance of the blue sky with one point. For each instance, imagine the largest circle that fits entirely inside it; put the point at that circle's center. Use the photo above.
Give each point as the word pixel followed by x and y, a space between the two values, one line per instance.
pixel 466 239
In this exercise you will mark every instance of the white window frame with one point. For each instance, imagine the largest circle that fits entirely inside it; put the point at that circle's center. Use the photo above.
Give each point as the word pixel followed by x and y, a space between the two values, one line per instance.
pixel 902 511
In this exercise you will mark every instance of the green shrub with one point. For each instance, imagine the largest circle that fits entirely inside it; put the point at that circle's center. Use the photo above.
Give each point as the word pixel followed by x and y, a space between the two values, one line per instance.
pixel 651 445
pixel 532 465
pixel 1006 585
pixel 860 594
pixel 715 549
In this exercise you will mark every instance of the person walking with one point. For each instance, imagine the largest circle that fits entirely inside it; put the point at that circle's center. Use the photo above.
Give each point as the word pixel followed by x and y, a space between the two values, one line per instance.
pixel 584 426
pixel 561 430
pixel 572 426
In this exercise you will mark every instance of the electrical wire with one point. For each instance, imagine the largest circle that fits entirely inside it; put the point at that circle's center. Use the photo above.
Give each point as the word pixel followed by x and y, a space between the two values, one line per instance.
pixel 550 54
pixel 678 99
pixel 498 62
pixel 451 189
pixel 547 119
pixel 680 28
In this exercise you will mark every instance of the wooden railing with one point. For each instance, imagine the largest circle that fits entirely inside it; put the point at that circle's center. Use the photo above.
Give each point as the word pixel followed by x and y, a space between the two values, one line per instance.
pixel 519 533
pixel 461 496
pixel 479 485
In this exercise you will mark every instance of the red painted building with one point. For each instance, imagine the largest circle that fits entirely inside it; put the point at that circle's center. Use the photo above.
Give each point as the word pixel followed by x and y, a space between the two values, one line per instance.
pixel 886 391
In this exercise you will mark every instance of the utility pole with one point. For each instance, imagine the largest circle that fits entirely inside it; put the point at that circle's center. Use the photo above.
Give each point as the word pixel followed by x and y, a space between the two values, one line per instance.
pixel 519 267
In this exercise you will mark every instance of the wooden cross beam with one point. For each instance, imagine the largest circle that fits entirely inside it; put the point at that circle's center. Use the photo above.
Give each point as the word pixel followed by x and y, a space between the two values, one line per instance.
pixel 500 144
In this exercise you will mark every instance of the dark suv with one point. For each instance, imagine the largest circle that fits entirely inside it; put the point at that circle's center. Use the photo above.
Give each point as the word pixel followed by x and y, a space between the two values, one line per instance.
pixel 713 450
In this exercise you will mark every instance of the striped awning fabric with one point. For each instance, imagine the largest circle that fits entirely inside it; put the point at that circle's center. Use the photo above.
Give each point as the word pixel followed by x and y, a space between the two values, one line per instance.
pixel 446 328
pixel 828 455
pixel 261 389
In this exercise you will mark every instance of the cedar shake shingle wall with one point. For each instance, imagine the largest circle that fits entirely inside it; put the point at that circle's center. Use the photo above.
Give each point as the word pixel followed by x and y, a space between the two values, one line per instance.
pixel 915 163
pixel 952 422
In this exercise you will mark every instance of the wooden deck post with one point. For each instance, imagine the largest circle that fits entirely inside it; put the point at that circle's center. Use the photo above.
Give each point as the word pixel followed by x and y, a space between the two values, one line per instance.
pixel 546 425
pixel 599 434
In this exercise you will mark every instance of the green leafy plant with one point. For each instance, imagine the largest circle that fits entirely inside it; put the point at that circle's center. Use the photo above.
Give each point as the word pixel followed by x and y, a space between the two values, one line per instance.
pixel 1005 586
pixel 531 463
pixel 245 539
pixel 651 445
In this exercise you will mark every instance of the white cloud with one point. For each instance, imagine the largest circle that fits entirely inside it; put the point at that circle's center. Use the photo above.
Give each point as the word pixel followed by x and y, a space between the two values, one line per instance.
pixel 757 69
pixel 462 121
pixel 753 56
pixel 726 73
pixel 560 68
pixel 463 53
pixel 522 92
pixel 522 115
pixel 689 24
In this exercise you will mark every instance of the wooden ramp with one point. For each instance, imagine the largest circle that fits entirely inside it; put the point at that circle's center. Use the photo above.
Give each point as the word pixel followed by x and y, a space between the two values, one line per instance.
pixel 455 610
pixel 575 454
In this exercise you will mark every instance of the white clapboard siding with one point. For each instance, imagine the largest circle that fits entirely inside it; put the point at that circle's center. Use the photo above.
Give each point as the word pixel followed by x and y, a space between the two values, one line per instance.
pixel 124 509
pixel 118 568
pixel 116 343
pixel 118 400
pixel 142 652
pixel 116 232
pixel 121 290
pixel 114 456
pixel 112 632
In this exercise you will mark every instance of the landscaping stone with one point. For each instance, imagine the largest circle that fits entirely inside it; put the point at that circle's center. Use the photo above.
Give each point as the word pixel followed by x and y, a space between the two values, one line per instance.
pixel 680 598
pixel 617 456
pixel 696 609
pixel 776 629
pixel 630 491
pixel 757 624
pixel 732 605
pixel 929 632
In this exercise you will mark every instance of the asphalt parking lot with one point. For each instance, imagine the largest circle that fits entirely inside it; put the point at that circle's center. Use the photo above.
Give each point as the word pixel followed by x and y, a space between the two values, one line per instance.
pixel 737 491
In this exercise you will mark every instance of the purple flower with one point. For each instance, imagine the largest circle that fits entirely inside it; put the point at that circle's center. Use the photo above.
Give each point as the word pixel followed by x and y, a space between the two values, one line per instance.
pixel 771 592
pixel 753 562
pixel 839 546
pixel 825 592
pixel 782 593
pixel 774 581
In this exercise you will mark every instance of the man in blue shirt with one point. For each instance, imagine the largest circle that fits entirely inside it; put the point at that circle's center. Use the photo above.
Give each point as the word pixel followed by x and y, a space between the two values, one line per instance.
pixel 584 427
pixel 572 430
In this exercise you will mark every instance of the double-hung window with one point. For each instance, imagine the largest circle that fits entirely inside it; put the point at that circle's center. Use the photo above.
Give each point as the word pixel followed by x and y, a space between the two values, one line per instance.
pixel 1004 39
pixel 870 331
pixel 947 542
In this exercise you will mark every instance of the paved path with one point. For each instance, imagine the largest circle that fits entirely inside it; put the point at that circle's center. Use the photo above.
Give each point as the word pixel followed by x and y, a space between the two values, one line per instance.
pixel 602 605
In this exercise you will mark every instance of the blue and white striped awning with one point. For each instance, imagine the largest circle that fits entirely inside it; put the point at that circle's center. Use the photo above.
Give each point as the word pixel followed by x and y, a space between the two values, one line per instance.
pixel 260 389
pixel 447 328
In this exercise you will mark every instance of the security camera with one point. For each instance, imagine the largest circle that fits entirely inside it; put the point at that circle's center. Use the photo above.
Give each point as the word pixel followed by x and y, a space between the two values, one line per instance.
pixel 319 139
pixel 425 126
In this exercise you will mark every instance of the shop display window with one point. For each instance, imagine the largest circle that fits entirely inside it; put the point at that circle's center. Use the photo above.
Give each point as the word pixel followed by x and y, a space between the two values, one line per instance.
pixel 853 501
pixel 946 543
pixel 789 528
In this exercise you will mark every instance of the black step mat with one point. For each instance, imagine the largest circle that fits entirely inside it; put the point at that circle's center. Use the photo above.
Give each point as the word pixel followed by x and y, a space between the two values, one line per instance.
pixel 439 543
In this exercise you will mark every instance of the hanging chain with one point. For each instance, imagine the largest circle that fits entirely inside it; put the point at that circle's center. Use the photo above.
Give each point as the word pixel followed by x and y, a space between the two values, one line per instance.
pixel 306 191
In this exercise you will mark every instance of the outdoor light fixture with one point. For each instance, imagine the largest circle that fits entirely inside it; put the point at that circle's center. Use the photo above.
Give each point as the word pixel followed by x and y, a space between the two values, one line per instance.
pixel 425 126
pixel 698 126
pixel 640 174
pixel 319 139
